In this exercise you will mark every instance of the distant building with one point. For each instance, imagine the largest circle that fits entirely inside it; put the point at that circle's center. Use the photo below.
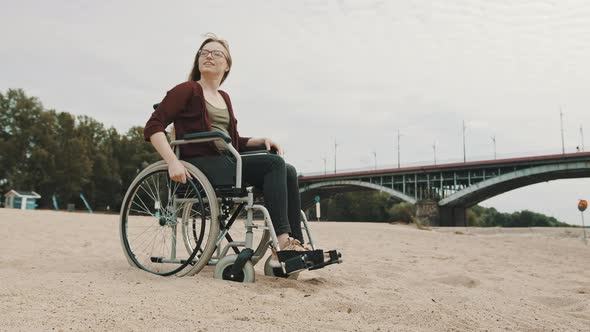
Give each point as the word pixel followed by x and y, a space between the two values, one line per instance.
pixel 24 200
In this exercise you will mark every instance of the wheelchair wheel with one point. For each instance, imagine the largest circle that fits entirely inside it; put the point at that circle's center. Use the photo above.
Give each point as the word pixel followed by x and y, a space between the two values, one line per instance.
pixel 224 270
pixel 276 272
pixel 155 216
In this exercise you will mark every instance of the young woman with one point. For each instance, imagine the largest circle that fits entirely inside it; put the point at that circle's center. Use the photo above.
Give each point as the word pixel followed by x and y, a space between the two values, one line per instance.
pixel 198 105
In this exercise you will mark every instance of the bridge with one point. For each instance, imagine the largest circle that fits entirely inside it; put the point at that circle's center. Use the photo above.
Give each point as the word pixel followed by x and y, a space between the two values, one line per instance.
pixel 442 193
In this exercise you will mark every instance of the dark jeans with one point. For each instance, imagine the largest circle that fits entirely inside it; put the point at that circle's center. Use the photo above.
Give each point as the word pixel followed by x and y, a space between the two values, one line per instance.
pixel 278 181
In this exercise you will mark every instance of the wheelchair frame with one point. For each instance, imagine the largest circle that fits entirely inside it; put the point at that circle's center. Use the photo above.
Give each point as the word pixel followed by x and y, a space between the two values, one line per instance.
pixel 235 267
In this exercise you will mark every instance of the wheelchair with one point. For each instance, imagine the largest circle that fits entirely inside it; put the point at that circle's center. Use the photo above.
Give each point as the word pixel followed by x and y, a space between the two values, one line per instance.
pixel 173 229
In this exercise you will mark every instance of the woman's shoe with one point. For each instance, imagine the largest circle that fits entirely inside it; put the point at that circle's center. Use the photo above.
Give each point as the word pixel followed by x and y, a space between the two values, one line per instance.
pixel 295 245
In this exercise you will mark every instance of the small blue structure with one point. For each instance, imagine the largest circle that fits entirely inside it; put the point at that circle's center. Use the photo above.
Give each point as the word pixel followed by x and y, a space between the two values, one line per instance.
pixel 24 200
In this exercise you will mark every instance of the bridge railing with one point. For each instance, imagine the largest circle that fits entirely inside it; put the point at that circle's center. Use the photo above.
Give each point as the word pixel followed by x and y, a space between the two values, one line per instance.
pixel 487 157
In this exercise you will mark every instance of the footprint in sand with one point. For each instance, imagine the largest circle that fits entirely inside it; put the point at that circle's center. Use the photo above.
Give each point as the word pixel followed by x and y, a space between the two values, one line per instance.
pixel 316 281
pixel 557 302
pixel 458 281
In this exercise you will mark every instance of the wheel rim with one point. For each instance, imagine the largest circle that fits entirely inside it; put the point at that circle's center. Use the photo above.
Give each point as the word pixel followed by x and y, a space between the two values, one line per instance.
pixel 195 226
pixel 154 209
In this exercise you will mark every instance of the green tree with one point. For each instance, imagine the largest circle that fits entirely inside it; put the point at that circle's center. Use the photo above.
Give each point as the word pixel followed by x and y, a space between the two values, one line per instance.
pixel 490 217
pixel 104 186
pixel 25 141
pixel 403 211
pixel 73 167
pixel 357 206
pixel 133 154
pixel 58 153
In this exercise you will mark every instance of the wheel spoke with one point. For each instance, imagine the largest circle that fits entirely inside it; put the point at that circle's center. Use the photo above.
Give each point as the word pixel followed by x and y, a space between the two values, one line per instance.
pixel 146 209
pixel 150 193
pixel 142 212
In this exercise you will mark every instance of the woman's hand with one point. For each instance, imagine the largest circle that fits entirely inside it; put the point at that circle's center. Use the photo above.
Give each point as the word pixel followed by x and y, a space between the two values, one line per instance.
pixel 178 172
pixel 270 144
pixel 176 169
pixel 267 142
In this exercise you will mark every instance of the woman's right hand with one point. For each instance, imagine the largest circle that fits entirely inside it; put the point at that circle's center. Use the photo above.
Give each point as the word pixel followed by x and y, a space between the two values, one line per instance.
pixel 176 169
pixel 178 172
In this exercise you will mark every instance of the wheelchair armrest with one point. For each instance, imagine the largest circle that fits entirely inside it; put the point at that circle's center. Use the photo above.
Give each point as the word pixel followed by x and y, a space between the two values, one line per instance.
pixel 202 137
pixel 258 149
pixel 207 134
pixel 253 152
pixel 253 148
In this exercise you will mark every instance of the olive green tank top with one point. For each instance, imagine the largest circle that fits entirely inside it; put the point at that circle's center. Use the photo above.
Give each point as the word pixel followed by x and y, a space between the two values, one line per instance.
pixel 219 122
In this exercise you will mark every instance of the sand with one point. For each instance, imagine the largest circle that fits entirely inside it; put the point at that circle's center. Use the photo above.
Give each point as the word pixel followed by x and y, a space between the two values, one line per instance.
pixel 66 271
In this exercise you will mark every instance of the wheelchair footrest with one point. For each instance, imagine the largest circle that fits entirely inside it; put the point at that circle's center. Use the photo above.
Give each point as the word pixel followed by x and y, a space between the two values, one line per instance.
pixel 330 257
pixel 296 261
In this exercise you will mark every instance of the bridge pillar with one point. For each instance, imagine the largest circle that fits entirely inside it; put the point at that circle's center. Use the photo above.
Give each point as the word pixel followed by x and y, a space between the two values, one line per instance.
pixel 453 216
pixel 427 212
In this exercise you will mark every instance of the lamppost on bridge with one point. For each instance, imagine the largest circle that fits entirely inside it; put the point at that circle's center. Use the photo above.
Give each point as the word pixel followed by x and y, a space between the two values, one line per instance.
pixel 494 142
pixel 325 165
pixel 434 151
pixel 561 124
pixel 582 137
pixel 464 154
pixel 375 156
pixel 335 148
pixel 398 153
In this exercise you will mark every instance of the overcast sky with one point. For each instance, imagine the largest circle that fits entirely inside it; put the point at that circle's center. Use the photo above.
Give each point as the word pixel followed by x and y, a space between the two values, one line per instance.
pixel 308 72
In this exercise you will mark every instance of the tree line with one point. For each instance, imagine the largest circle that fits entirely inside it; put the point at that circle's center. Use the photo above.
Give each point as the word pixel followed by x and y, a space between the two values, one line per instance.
pixel 380 207
pixel 57 153
pixel 490 217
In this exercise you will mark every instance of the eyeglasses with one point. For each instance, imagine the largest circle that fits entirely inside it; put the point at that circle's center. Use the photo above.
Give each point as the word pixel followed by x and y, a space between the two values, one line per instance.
pixel 203 53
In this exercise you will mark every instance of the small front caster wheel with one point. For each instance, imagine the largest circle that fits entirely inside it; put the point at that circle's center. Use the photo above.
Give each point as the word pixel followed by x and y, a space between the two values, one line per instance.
pixel 224 270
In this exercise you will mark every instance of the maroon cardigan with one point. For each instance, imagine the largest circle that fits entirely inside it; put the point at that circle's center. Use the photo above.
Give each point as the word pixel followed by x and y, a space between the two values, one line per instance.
pixel 185 106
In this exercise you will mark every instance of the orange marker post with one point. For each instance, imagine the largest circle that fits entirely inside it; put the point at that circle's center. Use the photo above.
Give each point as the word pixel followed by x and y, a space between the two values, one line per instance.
pixel 582 205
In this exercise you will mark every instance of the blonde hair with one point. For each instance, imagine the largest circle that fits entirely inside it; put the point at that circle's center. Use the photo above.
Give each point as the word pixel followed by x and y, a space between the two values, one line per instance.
pixel 195 74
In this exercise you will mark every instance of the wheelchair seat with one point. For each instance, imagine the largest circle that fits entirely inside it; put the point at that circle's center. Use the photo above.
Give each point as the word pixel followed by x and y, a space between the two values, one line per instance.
pixel 221 169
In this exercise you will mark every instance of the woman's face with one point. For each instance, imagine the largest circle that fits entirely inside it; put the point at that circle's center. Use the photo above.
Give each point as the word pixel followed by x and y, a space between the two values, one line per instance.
pixel 212 59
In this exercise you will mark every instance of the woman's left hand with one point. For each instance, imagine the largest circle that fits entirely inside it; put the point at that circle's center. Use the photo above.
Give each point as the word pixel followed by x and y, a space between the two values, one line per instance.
pixel 270 144
pixel 267 142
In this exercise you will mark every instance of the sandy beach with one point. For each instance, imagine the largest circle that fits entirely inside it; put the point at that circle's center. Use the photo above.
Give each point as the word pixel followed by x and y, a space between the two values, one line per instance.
pixel 66 271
